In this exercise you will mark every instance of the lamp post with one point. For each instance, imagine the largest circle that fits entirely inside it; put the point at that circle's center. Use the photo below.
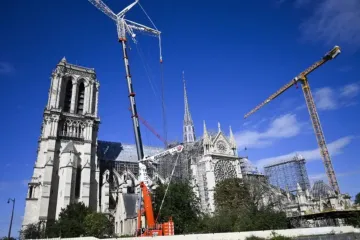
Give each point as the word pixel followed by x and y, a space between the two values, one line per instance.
pixel 12 215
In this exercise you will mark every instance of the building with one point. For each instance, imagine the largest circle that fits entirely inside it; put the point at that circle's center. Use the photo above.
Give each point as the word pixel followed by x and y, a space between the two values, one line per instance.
pixel 205 161
pixel 318 207
pixel 66 168
pixel 72 165
pixel 70 161
pixel 288 174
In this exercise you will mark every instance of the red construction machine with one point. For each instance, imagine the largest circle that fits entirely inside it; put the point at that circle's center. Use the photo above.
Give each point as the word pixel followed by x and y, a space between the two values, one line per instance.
pixel 151 227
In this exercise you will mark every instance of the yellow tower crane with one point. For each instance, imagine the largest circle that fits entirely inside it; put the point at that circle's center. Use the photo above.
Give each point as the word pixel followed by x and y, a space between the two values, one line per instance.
pixel 302 78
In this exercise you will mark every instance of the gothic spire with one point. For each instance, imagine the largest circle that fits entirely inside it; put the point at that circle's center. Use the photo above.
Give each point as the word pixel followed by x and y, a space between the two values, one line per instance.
pixel 188 128
pixel 206 137
pixel 232 139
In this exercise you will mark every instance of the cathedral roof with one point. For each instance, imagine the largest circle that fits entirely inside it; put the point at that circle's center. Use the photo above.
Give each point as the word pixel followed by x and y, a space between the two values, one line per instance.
pixel 69 148
pixel 116 151
pixel 321 189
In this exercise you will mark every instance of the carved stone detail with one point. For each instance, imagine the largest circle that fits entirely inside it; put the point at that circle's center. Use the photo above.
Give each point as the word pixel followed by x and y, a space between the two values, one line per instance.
pixel 72 71
pixel 224 169
pixel 72 128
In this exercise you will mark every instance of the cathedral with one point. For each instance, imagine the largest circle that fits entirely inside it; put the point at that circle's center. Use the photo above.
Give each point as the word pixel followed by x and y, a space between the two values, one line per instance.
pixel 72 165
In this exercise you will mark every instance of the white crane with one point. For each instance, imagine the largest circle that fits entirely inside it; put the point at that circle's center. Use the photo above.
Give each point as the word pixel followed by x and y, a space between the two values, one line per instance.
pixel 124 27
pixel 153 161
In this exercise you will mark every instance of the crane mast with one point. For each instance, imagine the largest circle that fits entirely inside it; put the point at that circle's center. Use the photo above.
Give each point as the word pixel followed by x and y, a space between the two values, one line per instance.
pixel 319 135
pixel 315 120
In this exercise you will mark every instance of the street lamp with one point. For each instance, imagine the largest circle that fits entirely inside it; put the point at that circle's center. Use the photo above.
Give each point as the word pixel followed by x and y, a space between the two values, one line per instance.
pixel 12 215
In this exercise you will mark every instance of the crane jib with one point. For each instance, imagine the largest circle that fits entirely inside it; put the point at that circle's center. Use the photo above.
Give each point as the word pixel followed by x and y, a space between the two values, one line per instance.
pixel 333 53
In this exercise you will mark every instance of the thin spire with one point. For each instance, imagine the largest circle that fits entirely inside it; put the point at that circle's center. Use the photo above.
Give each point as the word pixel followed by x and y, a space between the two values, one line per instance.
pixel 188 126
pixel 206 135
pixel 232 139
pixel 187 115
pixel 219 127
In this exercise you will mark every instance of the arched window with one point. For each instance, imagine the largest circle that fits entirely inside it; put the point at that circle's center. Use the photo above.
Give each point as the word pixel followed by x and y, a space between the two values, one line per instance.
pixel 68 93
pixel 80 100
pixel 78 182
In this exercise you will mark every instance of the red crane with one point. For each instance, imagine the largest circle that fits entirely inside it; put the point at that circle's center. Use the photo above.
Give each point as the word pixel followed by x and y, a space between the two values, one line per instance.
pixel 148 126
pixel 152 228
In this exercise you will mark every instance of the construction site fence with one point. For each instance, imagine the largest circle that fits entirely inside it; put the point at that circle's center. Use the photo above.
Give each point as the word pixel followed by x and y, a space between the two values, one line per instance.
pixel 321 233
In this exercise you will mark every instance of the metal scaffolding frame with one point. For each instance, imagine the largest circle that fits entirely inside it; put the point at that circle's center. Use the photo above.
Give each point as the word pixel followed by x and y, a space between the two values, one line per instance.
pixel 288 173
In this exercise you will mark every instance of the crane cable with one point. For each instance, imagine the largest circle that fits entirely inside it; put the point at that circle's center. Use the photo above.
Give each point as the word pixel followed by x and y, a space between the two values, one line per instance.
pixel 146 67
pixel 163 105
pixel 162 79
pixel 167 187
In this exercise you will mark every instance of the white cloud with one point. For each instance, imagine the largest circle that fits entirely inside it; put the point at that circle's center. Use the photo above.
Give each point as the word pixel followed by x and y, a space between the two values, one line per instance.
pixel 325 98
pixel 330 98
pixel 334 148
pixel 322 176
pixel 285 126
pixel 333 22
pixel 350 90
pixel 5 68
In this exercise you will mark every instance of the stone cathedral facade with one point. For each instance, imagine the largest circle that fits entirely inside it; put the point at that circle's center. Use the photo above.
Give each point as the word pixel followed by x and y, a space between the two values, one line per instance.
pixel 72 165
pixel 66 169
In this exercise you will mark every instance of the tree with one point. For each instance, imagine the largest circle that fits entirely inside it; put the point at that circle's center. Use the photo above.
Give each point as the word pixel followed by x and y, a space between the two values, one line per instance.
pixel 6 238
pixel 71 221
pixel 74 221
pixel 245 206
pixel 97 225
pixel 33 231
pixel 231 194
pixel 180 203
pixel 357 198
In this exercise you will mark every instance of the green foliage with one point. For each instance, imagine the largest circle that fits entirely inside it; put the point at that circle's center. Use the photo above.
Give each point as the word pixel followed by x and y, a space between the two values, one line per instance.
pixel 97 225
pixel 6 238
pixel 180 203
pixel 74 221
pixel 354 220
pixel 239 208
pixel 71 221
pixel 254 238
pixel 231 194
pixel 357 198
pixel 274 237
pixel 34 231
pixel 279 237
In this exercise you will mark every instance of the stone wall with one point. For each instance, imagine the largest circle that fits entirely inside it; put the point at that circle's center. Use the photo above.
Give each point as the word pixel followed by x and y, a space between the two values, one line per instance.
pixel 242 235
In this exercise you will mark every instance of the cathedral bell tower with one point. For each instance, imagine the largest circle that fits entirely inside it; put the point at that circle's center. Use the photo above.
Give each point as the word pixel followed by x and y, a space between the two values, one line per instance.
pixel 66 168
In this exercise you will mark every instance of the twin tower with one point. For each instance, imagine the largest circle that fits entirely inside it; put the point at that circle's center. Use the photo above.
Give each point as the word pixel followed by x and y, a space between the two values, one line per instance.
pixel 66 169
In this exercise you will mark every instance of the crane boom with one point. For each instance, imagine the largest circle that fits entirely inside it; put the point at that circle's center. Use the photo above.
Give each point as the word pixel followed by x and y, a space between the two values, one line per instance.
pixel 148 126
pixel 328 56
pixel 104 8
pixel 302 78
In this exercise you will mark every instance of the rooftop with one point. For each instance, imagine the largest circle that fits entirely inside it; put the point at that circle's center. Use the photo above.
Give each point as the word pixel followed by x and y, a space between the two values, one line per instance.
pixel 116 151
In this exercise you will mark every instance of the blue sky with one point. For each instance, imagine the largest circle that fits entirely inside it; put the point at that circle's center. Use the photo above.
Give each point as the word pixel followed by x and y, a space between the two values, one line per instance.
pixel 234 54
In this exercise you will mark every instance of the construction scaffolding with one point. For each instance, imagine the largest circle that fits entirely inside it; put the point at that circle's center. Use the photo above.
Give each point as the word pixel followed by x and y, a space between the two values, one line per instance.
pixel 287 174
pixel 191 152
